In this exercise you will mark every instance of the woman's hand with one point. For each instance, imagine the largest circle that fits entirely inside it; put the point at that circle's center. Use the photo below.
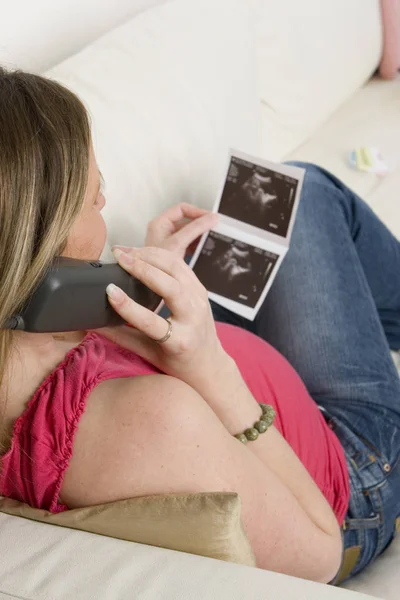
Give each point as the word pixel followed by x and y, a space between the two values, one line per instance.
pixel 178 228
pixel 193 351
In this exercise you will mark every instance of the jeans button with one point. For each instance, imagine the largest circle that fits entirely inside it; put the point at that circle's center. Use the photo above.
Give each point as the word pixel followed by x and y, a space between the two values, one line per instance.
pixel 387 468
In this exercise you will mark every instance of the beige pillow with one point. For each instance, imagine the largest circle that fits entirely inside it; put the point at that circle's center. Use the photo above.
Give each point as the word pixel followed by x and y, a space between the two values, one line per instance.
pixel 208 524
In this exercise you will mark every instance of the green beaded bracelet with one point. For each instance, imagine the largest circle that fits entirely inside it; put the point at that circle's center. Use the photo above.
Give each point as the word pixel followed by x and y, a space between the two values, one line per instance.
pixel 265 421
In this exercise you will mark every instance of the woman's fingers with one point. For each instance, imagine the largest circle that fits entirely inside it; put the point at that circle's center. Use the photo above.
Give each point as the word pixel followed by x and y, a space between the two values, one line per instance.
pixel 141 318
pixel 165 225
pixel 182 211
pixel 141 260
pixel 166 274
pixel 126 249
pixel 193 230
pixel 164 283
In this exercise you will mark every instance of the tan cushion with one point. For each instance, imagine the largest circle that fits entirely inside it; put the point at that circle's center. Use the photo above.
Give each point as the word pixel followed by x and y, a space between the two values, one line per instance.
pixel 208 524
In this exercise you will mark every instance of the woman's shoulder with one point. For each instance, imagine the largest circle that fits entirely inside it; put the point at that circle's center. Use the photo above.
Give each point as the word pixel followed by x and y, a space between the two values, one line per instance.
pixel 96 373
pixel 64 391
pixel 116 437
pixel 100 358
pixel 60 395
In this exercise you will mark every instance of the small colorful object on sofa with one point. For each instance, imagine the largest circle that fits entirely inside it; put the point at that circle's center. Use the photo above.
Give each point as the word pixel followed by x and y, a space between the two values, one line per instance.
pixel 369 159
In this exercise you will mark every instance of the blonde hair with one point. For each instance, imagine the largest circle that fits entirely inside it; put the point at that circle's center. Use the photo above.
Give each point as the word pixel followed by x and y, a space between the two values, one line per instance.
pixel 44 164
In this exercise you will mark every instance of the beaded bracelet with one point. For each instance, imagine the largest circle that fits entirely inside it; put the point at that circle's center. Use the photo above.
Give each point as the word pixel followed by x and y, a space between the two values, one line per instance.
pixel 265 421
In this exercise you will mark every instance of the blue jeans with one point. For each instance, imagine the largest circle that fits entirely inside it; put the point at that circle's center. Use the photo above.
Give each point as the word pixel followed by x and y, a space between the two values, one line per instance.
pixel 334 313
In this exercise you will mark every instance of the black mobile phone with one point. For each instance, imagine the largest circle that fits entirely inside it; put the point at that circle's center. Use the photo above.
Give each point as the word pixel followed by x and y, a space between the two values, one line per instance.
pixel 72 296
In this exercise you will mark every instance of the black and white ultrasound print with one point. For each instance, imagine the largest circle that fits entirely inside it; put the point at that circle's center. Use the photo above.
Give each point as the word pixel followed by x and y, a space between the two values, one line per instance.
pixel 259 196
pixel 234 269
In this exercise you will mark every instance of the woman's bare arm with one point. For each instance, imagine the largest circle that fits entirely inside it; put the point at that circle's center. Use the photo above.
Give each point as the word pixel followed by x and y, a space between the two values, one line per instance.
pixel 155 434
pixel 231 400
pixel 174 433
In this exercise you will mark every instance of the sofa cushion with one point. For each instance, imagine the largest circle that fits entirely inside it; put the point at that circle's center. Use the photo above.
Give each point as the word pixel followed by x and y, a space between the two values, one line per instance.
pixel 37 35
pixel 43 562
pixel 168 95
pixel 370 117
pixel 382 577
pixel 313 55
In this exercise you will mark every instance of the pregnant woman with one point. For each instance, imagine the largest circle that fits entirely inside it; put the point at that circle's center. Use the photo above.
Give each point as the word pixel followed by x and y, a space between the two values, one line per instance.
pixel 171 407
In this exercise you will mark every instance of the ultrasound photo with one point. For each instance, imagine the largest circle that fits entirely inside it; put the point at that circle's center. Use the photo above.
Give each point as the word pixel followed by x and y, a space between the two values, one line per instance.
pixel 258 196
pixel 234 269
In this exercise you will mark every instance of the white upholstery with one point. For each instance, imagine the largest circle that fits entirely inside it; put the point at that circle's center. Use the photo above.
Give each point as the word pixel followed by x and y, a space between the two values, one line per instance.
pixel 169 91
pixel 382 578
pixel 151 79
pixel 312 56
pixel 370 117
pixel 65 564
pixel 38 35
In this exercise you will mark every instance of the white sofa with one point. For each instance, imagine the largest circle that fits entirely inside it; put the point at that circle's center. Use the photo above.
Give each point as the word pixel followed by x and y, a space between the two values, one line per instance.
pixel 171 86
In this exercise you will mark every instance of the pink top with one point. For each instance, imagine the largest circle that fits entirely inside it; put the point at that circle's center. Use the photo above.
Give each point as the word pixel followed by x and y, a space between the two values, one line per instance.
pixel 34 467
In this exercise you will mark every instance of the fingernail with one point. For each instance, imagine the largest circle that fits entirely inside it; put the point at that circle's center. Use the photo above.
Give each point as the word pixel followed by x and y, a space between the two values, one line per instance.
pixel 123 248
pixel 116 251
pixel 122 257
pixel 114 292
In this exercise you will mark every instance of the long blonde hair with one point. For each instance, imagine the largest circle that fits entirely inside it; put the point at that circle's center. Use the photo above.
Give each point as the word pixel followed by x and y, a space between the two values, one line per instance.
pixel 44 163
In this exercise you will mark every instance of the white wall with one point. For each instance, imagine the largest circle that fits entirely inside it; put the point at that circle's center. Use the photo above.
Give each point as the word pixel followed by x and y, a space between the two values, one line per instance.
pixel 35 35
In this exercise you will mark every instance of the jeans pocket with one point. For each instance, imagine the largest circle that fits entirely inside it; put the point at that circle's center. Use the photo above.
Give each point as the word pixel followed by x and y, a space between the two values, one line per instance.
pixel 378 443
pixel 376 455
pixel 361 452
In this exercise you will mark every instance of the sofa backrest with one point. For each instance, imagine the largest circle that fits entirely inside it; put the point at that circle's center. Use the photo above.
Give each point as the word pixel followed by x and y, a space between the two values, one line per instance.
pixel 312 56
pixel 36 35
pixel 169 92
pixel 171 84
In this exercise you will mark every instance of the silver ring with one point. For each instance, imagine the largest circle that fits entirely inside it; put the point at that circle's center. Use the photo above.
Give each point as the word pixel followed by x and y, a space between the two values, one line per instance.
pixel 167 335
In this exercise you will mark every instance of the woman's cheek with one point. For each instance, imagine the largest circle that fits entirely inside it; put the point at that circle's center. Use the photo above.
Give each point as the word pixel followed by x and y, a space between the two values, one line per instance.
pixel 100 235
pixel 88 236
pixel 101 202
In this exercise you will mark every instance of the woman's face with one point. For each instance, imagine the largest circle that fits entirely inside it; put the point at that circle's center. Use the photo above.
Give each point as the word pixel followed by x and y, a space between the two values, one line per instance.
pixel 88 235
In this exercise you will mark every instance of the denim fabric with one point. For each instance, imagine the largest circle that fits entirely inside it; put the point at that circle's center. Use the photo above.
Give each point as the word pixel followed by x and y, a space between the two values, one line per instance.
pixel 334 313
